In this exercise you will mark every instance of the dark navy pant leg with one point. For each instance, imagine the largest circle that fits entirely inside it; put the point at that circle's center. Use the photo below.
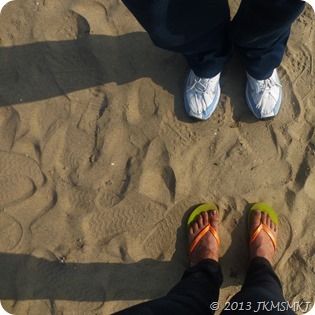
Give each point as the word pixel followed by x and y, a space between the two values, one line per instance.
pixel 197 29
pixel 260 31
pixel 198 288
pixel 201 31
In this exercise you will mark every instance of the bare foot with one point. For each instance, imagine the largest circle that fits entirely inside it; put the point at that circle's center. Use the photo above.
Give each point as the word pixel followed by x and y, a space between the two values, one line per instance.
pixel 208 246
pixel 262 245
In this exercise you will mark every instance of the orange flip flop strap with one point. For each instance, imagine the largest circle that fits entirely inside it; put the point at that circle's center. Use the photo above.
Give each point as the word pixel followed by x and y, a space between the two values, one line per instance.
pixel 267 230
pixel 201 234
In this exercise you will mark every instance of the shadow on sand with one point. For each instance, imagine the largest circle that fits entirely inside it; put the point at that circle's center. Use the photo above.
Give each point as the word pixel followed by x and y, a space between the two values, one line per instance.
pixel 44 70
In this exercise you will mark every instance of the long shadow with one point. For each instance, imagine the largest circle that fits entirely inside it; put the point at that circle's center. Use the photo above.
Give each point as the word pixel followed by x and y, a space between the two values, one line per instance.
pixel 43 70
pixel 26 277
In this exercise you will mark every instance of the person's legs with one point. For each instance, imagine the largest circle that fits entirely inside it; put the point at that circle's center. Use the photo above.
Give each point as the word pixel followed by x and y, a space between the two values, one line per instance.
pixel 199 31
pixel 260 31
pixel 196 29
pixel 200 284
pixel 197 289
pixel 262 290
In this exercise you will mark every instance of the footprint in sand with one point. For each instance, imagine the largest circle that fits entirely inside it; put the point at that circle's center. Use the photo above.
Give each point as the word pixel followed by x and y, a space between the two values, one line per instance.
pixel 20 177
pixel 9 119
pixel 310 181
pixel 160 242
pixel 127 216
pixel 305 297
pixel 10 232
pixel 305 177
pixel 310 185
pixel 158 180
pixel 100 16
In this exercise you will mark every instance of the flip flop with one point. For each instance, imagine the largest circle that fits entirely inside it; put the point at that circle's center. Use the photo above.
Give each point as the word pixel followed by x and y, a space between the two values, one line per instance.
pixel 193 217
pixel 262 207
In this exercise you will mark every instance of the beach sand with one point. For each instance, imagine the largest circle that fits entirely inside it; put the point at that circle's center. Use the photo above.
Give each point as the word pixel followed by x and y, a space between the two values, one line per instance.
pixel 100 165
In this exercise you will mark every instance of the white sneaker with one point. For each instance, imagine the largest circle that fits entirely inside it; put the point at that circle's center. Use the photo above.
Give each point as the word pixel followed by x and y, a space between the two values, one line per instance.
pixel 201 95
pixel 264 96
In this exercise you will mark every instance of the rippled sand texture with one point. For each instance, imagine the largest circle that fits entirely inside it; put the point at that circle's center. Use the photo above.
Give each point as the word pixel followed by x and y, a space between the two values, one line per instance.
pixel 99 164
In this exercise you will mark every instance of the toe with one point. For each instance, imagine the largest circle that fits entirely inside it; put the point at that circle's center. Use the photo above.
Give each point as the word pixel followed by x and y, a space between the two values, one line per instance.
pixel 271 225
pixel 214 219
pixel 255 219
pixel 205 218
pixel 267 221
pixel 263 218
pixel 191 231
pixel 194 227
pixel 200 221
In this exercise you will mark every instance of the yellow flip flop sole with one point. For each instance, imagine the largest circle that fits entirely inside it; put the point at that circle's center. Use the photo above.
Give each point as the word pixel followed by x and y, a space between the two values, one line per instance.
pixel 263 207
pixel 202 208
pixel 193 217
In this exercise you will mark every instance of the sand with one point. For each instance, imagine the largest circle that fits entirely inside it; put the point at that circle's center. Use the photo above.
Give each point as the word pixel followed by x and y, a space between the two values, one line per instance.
pixel 100 165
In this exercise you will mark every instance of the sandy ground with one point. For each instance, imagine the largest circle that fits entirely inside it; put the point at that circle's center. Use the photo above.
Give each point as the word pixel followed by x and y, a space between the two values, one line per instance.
pixel 100 165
